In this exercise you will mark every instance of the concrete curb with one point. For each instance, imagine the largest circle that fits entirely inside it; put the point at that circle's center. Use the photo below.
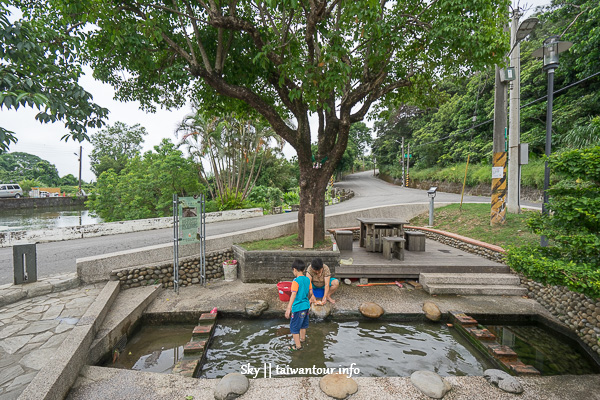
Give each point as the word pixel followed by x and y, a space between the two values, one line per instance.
pixel 10 293
pixel 11 238
pixel 125 314
pixel 56 378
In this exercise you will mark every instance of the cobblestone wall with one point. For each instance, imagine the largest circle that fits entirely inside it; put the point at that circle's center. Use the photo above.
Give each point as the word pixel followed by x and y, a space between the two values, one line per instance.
pixel 189 271
pixel 468 247
pixel 577 311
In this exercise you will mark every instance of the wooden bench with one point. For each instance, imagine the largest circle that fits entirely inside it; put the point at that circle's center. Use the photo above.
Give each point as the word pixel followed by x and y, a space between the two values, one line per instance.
pixel 393 246
pixel 355 231
pixel 415 241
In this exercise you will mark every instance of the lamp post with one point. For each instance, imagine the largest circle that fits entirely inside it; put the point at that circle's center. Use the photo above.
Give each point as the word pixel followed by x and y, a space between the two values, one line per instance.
pixel 549 51
pixel 431 193
pixel 514 116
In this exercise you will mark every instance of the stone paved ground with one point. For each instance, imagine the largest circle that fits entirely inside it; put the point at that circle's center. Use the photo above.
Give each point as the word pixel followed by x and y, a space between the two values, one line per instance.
pixel 32 329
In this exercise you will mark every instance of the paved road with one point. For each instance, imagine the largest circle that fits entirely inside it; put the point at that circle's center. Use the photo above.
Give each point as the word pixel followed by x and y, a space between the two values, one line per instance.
pixel 59 257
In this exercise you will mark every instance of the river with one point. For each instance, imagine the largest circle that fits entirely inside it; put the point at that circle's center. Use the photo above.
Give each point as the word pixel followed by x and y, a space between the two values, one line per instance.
pixel 46 218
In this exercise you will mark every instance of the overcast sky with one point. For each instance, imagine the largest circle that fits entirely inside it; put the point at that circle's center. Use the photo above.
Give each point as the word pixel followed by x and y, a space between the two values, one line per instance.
pixel 44 141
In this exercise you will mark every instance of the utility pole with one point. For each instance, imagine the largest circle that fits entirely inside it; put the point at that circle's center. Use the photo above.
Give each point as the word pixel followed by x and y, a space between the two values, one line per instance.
pixel 80 162
pixel 498 213
pixel 514 131
pixel 407 162
pixel 402 158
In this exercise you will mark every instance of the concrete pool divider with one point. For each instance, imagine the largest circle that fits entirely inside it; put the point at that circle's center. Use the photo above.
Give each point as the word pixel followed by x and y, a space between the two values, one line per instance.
pixel 56 378
pixel 98 268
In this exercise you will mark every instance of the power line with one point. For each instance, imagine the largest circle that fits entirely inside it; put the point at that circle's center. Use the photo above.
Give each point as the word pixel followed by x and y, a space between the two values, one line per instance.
pixel 523 106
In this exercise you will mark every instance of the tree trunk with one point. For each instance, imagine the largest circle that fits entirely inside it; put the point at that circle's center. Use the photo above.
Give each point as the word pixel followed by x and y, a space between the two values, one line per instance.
pixel 313 183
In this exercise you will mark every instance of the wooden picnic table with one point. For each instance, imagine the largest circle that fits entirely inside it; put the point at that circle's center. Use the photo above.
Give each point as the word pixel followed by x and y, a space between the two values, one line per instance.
pixel 372 230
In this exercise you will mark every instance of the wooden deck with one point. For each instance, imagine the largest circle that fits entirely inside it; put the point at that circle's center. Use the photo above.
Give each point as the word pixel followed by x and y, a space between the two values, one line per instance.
pixel 437 258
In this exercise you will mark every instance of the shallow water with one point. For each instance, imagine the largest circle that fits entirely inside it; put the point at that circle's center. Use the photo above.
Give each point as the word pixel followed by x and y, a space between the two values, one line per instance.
pixel 46 218
pixel 259 348
pixel 374 348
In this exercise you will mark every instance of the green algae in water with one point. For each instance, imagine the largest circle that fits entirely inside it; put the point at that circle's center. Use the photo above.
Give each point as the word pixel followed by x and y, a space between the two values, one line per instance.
pixel 375 348
pixel 543 349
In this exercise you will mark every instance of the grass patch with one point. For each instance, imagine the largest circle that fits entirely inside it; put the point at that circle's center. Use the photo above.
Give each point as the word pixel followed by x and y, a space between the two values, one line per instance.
pixel 474 222
pixel 286 243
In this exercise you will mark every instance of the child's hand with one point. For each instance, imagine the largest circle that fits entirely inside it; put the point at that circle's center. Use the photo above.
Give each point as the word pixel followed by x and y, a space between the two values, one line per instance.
pixel 287 314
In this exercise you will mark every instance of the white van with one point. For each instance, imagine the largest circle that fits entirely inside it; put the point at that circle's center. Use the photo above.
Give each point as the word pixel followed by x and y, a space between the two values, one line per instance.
pixel 10 190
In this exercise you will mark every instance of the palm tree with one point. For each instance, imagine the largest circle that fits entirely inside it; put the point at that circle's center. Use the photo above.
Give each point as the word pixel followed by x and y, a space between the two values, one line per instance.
pixel 227 149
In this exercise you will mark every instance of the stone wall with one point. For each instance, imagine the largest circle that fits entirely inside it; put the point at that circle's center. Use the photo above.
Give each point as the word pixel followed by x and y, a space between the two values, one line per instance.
pixel 41 202
pixel 468 247
pixel 275 266
pixel 527 193
pixel 577 311
pixel 189 271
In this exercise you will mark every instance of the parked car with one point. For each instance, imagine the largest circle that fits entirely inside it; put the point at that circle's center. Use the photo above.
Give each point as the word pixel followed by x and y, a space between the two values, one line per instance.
pixel 10 190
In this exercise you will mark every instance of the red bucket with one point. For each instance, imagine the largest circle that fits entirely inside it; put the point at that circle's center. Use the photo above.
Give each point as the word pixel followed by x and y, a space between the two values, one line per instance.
pixel 285 290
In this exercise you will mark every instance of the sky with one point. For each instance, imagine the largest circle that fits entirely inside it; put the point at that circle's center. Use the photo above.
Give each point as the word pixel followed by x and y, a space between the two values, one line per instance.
pixel 44 140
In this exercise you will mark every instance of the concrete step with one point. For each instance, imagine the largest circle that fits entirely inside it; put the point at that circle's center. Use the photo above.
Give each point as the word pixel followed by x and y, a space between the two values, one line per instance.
pixel 488 290
pixel 469 279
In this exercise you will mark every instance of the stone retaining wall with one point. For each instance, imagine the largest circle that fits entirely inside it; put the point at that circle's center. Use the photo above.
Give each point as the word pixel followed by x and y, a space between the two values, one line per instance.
pixel 459 244
pixel 41 202
pixel 577 311
pixel 189 271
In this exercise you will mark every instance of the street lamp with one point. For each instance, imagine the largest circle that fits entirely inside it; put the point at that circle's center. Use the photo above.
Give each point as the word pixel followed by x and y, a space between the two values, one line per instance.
pixel 549 51
pixel 514 117
pixel 431 193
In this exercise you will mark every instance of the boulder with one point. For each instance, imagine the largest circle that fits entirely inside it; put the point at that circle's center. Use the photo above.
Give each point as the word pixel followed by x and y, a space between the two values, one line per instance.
pixel 432 312
pixel 338 386
pixel 504 381
pixel 371 310
pixel 256 308
pixel 231 386
pixel 430 383
pixel 320 312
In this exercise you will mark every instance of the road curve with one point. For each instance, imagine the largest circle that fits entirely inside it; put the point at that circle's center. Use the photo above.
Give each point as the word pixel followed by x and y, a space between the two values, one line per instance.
pixel 59 257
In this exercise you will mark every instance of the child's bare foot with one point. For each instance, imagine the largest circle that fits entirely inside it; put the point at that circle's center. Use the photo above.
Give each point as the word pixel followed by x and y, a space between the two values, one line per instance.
pixel 331 300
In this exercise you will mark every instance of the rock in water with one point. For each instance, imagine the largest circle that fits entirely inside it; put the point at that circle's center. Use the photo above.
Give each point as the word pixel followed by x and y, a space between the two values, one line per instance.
pixel 256 308
pixel 432 312
pixel 503 380
pixel 338 386
pixel 320 312
pixel 430 383
pixel 371 310
pixel 231 386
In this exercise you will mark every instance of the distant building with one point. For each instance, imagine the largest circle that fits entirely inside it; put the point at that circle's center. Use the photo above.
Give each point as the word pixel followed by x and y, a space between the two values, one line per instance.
pixel 44 192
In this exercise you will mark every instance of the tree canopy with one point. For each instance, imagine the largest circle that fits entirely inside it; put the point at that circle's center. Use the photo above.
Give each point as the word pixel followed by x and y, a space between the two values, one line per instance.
pixel 18 166
pixel 114 145
pixel 40 68
pixel 286 59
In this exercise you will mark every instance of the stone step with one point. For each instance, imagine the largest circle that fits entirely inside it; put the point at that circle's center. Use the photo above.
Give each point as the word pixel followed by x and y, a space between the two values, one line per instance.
pixel 202 332
pixel 194 347
pixel 469 279
pixel 489 290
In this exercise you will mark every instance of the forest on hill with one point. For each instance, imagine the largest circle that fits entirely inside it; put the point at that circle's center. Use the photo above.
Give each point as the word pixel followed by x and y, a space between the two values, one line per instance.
pixel 445 130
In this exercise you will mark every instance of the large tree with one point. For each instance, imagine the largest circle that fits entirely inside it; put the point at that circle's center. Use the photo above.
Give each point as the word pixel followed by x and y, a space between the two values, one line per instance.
pixel 287 59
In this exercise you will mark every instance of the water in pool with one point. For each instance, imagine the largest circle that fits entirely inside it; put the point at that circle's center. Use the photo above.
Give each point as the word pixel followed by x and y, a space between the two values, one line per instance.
pixel 375 348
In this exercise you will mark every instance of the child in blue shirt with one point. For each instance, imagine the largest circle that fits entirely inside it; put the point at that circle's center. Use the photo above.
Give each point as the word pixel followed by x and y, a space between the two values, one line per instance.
pixel 299 304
